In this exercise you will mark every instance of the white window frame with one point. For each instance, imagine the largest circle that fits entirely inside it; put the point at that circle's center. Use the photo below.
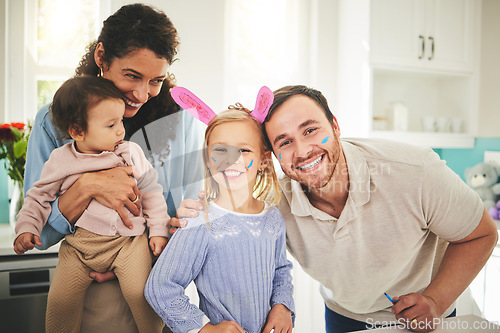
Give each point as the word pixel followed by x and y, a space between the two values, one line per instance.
pixel 19 71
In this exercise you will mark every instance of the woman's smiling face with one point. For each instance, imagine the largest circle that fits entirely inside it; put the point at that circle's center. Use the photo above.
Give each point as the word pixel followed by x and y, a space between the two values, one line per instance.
pixel 139 75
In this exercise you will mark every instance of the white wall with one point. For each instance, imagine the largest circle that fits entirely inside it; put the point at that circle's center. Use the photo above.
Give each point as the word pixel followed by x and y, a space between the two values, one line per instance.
pixel 201 55
pixel 324 35
pixel 352 80
pixel 3 58
pixel 489 99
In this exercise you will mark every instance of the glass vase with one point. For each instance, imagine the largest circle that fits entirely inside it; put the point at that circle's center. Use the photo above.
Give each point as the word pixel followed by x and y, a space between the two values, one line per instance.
pixel 16 203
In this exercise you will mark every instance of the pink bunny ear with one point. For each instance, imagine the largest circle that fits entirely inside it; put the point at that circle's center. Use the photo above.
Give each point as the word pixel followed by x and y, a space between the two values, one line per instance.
pixel 265 98
pixel 192 104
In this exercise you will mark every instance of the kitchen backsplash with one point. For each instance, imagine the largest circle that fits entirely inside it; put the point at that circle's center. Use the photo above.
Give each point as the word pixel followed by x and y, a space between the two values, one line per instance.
pixel 457 159
pixel 460 159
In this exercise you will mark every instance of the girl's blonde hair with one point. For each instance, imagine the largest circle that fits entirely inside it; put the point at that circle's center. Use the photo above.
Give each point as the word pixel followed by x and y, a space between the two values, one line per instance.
pixel 266 186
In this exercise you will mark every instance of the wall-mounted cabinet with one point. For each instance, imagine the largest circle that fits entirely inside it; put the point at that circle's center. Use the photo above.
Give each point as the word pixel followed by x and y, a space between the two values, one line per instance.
pixel 433 34
pixel 416 79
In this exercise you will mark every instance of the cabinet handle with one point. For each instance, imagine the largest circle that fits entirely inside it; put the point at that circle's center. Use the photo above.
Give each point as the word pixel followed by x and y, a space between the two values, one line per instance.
pixel 422 39
pixel 432 48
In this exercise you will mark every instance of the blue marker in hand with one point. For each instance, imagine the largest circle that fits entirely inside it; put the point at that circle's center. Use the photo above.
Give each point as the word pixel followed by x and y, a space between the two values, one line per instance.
pixel 390 299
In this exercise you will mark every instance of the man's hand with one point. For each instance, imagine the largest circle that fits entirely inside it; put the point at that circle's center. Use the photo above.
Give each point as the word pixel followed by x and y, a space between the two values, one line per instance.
pixel 462 261
pixel 175 223
pixel 223 327
pixel 279 319
pixel 157 244
pixel 187 208
pixel 190 208
pixel 417 311
pixel 25 242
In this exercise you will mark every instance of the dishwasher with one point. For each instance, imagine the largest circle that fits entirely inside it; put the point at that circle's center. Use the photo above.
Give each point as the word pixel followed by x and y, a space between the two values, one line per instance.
pixel 24 286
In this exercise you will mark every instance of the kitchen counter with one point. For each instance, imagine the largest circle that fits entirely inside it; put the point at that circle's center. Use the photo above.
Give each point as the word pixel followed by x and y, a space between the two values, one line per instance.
pixel 465 324
pixel 24 284
pixel 7 241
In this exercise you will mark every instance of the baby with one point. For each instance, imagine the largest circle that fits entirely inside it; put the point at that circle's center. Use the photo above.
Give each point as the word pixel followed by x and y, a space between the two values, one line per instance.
pixel 90 110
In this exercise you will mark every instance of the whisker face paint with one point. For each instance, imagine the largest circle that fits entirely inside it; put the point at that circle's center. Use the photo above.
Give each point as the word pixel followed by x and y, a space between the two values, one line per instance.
pixel 226 155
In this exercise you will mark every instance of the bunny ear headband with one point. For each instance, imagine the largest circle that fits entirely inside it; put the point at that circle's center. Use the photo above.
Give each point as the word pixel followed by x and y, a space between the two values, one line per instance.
pixel 192 104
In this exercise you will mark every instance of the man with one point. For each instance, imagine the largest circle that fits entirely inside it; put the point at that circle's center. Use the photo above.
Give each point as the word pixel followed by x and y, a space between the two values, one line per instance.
pixel 367 217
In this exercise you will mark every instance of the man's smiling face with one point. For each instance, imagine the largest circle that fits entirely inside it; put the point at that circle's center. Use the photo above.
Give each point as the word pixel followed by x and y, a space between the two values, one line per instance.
pixel 305 143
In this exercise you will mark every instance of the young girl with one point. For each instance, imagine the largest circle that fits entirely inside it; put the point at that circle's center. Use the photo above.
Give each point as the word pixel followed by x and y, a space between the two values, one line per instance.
pixel 236 251
pixel 90 110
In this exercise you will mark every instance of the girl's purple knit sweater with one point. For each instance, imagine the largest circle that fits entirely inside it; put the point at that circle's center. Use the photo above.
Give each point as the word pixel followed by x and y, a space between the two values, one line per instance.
pixel 239 265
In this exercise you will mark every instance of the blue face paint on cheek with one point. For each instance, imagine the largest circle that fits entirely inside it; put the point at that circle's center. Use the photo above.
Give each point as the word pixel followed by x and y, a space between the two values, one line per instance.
pixel 251 162
pixel 325 140
pixel 213 159
pixel 280 156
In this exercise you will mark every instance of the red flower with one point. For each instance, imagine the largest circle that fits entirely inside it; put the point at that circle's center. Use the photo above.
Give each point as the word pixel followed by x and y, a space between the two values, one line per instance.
pixel 19 126
pixel 13 143
pixel 6 133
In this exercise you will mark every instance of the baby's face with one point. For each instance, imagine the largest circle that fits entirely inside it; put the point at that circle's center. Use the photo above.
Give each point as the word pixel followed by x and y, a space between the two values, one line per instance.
pixel 105 129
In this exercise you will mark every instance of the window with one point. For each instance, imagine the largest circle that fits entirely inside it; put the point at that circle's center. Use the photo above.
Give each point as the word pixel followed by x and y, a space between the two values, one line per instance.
pixel 45 40
pixel 64 29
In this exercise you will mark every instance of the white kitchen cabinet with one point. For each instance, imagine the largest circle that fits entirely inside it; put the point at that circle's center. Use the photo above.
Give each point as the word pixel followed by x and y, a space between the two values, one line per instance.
pixel 430 34
pixel 379 65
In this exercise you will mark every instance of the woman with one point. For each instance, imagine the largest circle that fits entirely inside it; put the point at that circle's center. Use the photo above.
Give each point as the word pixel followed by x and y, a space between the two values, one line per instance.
pixel 136 46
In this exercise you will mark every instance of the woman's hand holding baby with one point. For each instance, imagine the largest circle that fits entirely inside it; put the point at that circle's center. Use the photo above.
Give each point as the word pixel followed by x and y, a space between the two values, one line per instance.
pixel 114 188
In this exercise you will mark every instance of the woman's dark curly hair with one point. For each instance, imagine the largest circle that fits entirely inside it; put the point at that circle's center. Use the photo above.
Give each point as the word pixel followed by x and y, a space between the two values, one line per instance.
pixel 134 27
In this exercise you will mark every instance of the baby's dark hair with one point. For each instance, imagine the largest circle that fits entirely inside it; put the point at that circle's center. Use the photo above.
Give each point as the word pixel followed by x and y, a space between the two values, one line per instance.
pixel 75 97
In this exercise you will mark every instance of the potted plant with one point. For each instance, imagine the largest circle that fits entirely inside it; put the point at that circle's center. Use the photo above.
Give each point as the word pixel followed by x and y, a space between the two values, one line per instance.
pixel 13 144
